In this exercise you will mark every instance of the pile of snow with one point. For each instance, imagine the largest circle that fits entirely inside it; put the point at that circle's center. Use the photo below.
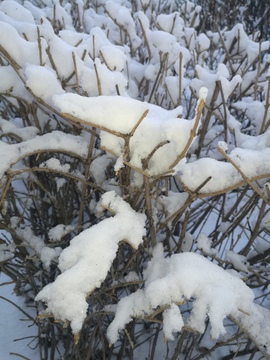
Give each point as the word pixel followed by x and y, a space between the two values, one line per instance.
pixel 147 126
pixel 172 281
pixel 86 262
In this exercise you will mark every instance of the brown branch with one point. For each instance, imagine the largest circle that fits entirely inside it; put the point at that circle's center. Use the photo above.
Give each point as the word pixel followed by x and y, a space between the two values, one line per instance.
pixel 206 121
pixel 246 179
pixel 39 46
pixel 233 187
pixel 193 133
pixel 146 160
pixel 98 80
pixel 267 104
pixel 180 75
pixel 148 202
pixel 76 72
pixel 138 123
pixel 145 39
pixel 90 123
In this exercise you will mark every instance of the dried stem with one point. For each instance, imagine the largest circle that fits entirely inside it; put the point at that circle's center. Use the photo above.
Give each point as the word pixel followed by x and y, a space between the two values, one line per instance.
pixel 193 133
pixel 246 179
pixel 149 210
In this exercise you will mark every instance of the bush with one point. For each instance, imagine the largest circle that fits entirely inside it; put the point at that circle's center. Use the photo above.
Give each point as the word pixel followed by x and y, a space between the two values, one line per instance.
pixel 135 178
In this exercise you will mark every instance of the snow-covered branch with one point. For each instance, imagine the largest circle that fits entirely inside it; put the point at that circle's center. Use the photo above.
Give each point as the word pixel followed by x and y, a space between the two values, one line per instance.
pixel 85 263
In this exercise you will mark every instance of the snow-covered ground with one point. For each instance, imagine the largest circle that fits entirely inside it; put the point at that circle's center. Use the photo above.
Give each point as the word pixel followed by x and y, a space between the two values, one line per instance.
pixel 17 330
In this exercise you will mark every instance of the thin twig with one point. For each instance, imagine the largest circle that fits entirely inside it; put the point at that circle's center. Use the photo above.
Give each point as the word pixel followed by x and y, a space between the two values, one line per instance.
pixel 76 72
pixel 148 202
pixel 193 133
pixel 98 80
pixel 246 179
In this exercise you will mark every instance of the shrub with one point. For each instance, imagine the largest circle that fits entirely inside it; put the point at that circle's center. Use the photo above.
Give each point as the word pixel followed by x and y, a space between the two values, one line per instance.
pixel 135 179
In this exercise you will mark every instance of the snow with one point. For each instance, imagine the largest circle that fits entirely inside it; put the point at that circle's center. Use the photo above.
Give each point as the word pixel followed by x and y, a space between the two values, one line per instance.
pixel 163 41
pixel 54 164
pixel 203 93
pixel 110 80
pixel 157 126
pixel 208 80
pixel 195 173
pixel 55 234
pixel 103 111
pixel 155 130
pixel 261 245
pixel 131 277
pixel 96 41
pixel 223 145
pixel 246 45
pixel 123 18
pixel 114 57
pixel 152 140
pixel 204 244
pixel 173 201
pixel 223 175
pixel 188 242
pixel 172 321
pixel 6 252
pixel 257 326
pixel 174 281
pixel 266 219
pixel 45 253
pixel 203 42
pixel 10 83
pixel 254 111
pixel 16 11
pixel 119 164
pixel 61 53
pixel 55 141
pixel 86 262
pixel 24 133
pixel 22 51
pixel 151 72
pixel 135 304
pixel 251 161
pixel 15 324
pixel 41 81
pixel 239 262
pixel 168 22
